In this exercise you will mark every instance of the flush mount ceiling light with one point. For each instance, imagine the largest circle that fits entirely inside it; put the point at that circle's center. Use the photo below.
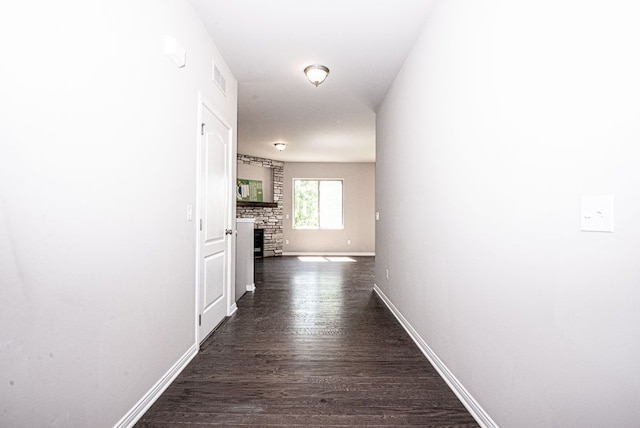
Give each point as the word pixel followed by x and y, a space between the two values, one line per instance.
pixel 316 73
pixel 280 146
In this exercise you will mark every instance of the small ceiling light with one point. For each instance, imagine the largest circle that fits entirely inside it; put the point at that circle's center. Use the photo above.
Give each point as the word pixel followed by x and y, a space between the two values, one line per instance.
pixel 280 146
pixel 316 73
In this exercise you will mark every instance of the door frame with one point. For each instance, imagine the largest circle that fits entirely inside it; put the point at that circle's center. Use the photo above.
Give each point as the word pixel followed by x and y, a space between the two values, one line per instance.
pixel 230 220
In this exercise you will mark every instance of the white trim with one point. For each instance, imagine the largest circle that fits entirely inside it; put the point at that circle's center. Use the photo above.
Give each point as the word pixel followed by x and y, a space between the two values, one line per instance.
pixel 479 414
pixel 196 223
pixel 139 409
pixel 232 310
pixel 251 287
pixel 325 253
pixel 245 220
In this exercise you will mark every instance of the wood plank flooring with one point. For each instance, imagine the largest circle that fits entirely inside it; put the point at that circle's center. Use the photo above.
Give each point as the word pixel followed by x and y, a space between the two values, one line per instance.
pixel 313 346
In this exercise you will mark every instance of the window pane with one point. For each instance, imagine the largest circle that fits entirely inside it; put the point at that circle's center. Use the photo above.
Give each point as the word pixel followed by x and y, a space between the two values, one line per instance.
pixel 305 204
pixel 331 204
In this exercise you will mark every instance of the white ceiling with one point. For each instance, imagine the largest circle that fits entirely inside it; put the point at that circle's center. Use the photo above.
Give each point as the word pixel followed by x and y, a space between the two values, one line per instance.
pixel 267 44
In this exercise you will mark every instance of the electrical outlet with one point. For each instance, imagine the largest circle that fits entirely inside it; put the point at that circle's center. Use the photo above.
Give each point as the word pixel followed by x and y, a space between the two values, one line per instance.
pixel 286 241
pixel 348 241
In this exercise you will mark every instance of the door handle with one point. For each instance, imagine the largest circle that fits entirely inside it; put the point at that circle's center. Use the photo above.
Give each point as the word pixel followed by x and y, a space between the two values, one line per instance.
pixel 228 231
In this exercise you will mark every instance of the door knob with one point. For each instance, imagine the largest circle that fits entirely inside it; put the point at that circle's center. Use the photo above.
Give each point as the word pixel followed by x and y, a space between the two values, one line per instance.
pixel 228 231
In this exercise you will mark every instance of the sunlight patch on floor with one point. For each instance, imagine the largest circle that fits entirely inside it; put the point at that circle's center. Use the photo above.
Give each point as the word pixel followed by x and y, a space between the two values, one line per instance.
pixel 340 259
pixel 312 259
pixel 325 259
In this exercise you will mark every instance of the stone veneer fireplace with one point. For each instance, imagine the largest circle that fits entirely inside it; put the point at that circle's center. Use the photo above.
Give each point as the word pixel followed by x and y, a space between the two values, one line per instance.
pixel 268 216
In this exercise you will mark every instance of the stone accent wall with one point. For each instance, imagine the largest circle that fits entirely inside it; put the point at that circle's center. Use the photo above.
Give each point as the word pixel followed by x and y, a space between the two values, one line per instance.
pixel 269 219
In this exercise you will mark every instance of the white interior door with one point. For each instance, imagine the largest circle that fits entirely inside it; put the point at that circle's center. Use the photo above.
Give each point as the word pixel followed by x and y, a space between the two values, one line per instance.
pixel 215 226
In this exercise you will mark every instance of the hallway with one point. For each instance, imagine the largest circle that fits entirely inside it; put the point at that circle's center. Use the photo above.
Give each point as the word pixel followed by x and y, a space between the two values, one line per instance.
pixel 313 346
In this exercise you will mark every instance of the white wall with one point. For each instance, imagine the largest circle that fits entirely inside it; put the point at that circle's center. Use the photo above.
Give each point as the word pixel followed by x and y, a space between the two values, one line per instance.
pixel 359 205
pixel 98 133
pixel 503 115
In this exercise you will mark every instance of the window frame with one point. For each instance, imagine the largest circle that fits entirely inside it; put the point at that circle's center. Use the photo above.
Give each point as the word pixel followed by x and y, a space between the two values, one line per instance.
pixel 293 204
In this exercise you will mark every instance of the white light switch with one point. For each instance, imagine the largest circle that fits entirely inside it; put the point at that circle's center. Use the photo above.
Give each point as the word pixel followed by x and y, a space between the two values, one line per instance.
pixel 189 212
pixel 377 216
pixel 597 213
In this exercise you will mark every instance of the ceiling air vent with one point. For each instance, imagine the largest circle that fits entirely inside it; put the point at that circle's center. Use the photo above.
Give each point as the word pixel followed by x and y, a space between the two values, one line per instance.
pixel 219 79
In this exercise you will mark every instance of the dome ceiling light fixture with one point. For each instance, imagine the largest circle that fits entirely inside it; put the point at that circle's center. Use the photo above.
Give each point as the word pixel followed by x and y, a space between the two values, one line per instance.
pixel 316 73
pixel 280 146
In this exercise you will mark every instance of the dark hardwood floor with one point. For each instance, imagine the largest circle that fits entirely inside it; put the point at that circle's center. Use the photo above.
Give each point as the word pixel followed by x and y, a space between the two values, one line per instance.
pixel 313 346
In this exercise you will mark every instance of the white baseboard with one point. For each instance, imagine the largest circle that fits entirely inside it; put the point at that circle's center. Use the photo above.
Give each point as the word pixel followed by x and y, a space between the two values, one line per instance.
pixel 479 414
pixel 232 309
pixel 316 253
pixel 251 287
pixel 138 410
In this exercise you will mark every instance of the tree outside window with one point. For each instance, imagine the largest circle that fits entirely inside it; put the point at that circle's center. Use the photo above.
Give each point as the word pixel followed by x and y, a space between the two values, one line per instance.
pixel 317 204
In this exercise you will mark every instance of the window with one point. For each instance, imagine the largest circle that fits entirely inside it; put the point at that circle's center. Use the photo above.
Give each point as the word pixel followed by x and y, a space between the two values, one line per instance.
pixel 317 204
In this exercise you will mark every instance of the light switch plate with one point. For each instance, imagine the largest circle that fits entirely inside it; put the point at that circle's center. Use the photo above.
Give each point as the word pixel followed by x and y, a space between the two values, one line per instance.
pixel 596 213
